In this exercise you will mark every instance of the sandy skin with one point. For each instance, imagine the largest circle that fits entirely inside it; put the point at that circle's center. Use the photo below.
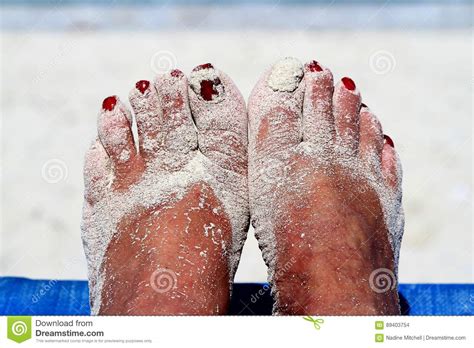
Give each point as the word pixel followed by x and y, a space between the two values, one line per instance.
pixel 324 193
pixel 164 226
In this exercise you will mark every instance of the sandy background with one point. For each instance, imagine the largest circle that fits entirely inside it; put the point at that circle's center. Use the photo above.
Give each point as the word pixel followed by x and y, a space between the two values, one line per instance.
pixel 419 83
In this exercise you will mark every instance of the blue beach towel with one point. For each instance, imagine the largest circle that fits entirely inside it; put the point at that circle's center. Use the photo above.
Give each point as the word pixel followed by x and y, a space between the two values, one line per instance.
pixel 21 296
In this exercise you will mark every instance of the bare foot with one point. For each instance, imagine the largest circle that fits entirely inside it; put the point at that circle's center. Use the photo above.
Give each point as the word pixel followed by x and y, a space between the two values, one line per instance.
pixel 325 194
pixel 164 224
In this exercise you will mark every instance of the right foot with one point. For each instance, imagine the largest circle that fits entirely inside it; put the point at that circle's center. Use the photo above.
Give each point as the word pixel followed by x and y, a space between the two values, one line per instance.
pixel 325 194
pixel 163 226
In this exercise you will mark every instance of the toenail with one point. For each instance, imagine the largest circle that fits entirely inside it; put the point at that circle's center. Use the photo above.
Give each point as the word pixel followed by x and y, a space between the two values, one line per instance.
pixel 388 140
pixel 362 105
pixel 204 66
pixel 109 103
pixel 314 66
pixel 208 89
pixel 205 81
pixel 142 85
pixel 286 75
pixel 177 73
pixel 348 83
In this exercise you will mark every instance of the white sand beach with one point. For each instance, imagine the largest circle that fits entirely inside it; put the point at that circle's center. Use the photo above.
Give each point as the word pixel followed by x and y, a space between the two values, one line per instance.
pixel 419 83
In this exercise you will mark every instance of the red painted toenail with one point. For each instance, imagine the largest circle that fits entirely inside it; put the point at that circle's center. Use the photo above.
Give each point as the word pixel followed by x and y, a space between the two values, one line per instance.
pixel 388 140
pixel 208 88
pixel 348 83
pixel 142 85
pixel 177 73
pixel 109 103
pixel 204 66
pixel 314 66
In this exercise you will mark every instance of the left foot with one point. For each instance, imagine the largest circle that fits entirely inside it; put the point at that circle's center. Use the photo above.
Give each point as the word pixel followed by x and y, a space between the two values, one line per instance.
pixel 325 194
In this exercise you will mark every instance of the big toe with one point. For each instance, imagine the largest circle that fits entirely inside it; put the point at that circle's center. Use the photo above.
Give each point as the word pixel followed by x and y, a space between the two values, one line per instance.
pixel 275 108
pixel 220 115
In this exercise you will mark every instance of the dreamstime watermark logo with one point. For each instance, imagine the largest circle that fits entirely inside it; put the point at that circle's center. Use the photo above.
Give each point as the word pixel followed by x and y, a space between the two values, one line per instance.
pixel 467 306
pixel 163 61
pixel 44 289
pixel 382 62
pixel 382 280
pixel 286 267
pixel 163 280
pixel 19 328
pixel 54 171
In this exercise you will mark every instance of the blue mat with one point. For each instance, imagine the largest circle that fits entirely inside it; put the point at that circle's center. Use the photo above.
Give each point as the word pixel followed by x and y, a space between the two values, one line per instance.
pixel 21 296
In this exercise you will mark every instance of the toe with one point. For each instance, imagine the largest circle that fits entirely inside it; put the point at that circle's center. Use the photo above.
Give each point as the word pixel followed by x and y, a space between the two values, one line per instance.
pixel 371 137
pixel 164 120
pixel 346 102
pixel 178 127
pixel 318 119
pixel 391 168
pixel 148 115
pixel 115 134
pixel 220 115
pixel 275 108
pixel 96 172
